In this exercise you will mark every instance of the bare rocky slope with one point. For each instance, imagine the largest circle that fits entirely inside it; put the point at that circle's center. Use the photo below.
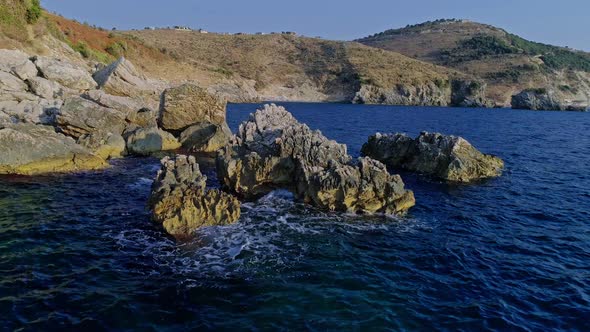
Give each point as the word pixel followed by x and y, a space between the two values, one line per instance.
pixel 506 63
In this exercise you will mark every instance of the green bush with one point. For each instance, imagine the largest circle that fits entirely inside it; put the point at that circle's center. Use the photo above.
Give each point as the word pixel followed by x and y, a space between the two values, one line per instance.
pixel 34 11
pixel 117 49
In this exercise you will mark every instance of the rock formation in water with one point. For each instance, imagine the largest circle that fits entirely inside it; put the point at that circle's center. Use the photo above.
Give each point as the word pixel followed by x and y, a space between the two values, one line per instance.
pixel 450 158
pixel 181 203
pixel 543 99
pixel 273 150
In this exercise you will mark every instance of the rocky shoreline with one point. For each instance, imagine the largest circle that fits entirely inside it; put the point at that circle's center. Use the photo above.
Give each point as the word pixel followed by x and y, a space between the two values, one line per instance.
pixel 57 116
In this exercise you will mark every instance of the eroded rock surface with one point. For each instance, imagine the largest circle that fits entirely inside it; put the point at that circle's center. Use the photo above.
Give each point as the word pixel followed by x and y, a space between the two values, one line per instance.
pixel 79 117
pixel 181 203
pixel 273 150
pixel 65 73
pixel 450 158
pixel 29 149
pixel 205 137
pixel 146 141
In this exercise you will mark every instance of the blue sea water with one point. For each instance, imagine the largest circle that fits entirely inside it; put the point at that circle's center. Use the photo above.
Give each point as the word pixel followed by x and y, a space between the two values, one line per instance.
pixel 78 252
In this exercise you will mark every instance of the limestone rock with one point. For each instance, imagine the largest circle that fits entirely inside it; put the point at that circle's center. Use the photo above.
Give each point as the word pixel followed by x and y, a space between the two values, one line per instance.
pixel 47 89
pixel 469 93
pixel 104 144
pixel 146 141
pixel 134 110
pixel 205 137
pixel 34 110
pixel 33 149
pixel 189 104
pixel 537 99
pixel 450 158
pixel 9 82
pixel 79 117
pixel 17 63
pixel 181 203
pixel 65 73
pixel 428 94
pixel 273 150
pixel 121 78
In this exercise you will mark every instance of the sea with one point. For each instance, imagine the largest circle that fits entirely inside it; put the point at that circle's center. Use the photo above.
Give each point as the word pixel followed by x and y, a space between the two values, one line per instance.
pixel 78 252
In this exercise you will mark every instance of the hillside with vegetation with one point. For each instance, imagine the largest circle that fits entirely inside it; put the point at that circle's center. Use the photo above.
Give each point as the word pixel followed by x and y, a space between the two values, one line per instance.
pixel 506 62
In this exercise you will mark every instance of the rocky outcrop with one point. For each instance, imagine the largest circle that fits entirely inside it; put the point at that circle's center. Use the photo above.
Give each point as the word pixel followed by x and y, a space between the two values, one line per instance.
pixel 273 150
pixel 450 158
pixel 422 95
pixel 121 78
pixel 187 105
pixel 30 110
pixel 65 73
pixel 47 89
pixel 17 63
pixel 469 93
pixel 545 99
pixel 146 141
pixel 135 111
pixel 79 117
pixel 205 137
pixel 181 203
pixel 29 149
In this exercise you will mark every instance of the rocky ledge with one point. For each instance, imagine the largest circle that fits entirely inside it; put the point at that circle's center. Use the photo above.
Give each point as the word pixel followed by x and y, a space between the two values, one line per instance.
pixel 450 158
pixel 273 150
pixel 181 203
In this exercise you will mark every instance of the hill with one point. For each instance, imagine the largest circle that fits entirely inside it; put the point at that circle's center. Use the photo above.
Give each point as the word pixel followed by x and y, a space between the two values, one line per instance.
pixel 506 62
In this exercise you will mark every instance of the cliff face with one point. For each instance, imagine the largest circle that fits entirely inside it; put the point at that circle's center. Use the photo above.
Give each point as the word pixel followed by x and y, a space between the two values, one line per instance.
pixel 505 63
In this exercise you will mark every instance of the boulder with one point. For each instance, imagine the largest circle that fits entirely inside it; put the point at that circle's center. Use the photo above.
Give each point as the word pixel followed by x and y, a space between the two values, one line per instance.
pixel 134 110
pixel 9 82
pixel 189 104
pixel 35 110
pixel 33 149
pixel 65 73
pixel 181 203
pixel 146 141
pixel 79 117
pixel 104 144
pixel 273 150
pixel 537 99
pixel 17 63
pixel 120 78
pixel 449 158
pixel 205 137
pixel 47 89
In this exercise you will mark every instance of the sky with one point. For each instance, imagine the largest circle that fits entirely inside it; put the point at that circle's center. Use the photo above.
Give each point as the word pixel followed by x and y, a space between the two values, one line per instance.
pixel 563 22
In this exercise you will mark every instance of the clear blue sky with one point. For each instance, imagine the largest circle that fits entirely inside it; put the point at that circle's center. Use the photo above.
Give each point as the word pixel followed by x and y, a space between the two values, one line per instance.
pixel 563 22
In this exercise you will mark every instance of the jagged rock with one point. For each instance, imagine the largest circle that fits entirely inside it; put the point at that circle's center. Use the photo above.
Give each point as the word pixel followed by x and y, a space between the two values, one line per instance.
pixel 9 82
pixel 65 73
pixel 187 105
pixel 469 93
pixel 536 99
pixel 33 149
pixel 34 110
pixel 135 111
pixel 79 117
pixel 17 63
pixel 450 158
pixel 146 141
pixel 104 144
pixel 181 203
pixel 121 78
pixel 273 150
pixel 205 137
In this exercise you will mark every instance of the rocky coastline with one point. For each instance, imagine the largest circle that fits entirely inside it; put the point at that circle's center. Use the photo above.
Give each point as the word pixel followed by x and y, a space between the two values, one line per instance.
pixel 57 116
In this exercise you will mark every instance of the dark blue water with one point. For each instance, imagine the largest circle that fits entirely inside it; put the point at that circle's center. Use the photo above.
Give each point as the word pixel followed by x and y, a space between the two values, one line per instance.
pixel 78 252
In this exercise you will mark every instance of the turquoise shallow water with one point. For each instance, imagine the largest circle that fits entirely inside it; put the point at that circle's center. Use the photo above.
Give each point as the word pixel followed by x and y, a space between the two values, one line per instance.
pixel 77 252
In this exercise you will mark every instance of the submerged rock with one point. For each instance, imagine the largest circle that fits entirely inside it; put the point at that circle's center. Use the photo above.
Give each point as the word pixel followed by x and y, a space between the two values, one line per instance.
pixel 450 158
pixel 181 203
pixel 273 150
pixel 187 105
pixel 29 149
